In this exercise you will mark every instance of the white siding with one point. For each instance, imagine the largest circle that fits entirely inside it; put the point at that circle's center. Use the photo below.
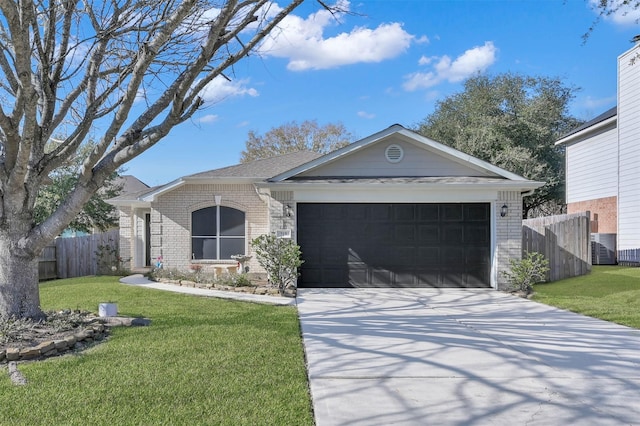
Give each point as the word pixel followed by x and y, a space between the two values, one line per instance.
pixel 629 154
pixel 417 161
pixel 592 167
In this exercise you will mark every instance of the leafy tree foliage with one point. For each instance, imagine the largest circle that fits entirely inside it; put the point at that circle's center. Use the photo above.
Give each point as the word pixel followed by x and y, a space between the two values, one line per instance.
pixel 293 137
pixel 511 121
pixel 96 214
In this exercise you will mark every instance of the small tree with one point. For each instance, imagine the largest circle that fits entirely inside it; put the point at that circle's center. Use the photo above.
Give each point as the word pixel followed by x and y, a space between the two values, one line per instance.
pixel 526 272
pixel 294 137
pixel 280 257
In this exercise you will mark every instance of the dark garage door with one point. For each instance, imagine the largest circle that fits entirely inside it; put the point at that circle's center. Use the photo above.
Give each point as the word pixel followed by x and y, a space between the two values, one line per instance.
pixel 394 245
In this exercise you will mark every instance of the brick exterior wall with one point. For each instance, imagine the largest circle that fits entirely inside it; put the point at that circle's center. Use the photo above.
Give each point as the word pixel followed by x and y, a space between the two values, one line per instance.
pixel 508 234
pixel 171 221
pixel 604 213
pixel 282 211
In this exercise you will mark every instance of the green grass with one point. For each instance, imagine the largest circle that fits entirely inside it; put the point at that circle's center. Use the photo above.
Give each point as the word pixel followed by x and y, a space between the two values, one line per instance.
pixel 201 362
pixel 611 293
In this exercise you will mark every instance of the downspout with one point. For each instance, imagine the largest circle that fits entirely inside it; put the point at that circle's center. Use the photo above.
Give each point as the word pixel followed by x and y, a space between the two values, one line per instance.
pixel 265 197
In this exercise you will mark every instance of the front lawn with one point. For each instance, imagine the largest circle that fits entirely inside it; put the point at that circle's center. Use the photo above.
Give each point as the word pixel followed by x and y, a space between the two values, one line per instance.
pixel 202 361
pixel 611 293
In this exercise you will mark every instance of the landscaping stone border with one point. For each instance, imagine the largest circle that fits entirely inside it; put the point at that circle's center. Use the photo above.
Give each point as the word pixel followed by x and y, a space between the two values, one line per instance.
pixel 96 331
pixel 259 289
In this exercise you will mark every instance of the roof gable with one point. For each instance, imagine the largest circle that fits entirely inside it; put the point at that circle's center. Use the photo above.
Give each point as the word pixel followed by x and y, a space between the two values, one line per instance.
pixel 423 157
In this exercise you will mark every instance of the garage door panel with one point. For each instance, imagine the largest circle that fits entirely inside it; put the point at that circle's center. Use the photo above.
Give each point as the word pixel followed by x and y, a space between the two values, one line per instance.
pixel 335 276
pixel 358 275
pixel 451 212
pixel 475 234
pixel 476 276
pixel 398 245
pixel 428 256
pixel 452 234
pixel 429 234
pixel 380 212
pixel 334 256
pixel 405 234
pixel 476 213
pixel 404 212
pixel 428 212
pixel 380 277
pixel 452 279
pixel 476 255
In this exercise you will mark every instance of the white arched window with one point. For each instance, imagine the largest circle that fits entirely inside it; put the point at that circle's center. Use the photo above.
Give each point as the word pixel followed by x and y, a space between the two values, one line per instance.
pixel 217 233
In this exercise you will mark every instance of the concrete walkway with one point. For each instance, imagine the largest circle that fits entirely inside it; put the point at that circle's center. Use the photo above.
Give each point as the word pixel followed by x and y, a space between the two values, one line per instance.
pixel 141 281
pixel 464 357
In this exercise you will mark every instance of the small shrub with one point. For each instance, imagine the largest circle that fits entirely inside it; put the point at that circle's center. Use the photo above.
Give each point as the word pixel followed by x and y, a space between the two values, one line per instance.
pixel 234 280
pixel 526 272
pixel 168 273
pixel 109 260
pixel 280 257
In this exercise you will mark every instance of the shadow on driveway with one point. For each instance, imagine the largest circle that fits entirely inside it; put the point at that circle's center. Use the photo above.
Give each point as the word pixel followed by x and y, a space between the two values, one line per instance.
pixel 463 357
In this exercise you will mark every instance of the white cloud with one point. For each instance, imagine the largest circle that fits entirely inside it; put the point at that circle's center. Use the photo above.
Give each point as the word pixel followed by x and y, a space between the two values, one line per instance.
pixel 424 60
pixel 626 13
pixel 474 60
pixel 220 89
pixel 302 42
pixel 367 115
pixel 593 103
pixel 209 118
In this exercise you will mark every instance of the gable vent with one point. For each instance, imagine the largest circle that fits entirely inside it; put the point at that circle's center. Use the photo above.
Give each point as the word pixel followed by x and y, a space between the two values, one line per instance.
pixel 394 153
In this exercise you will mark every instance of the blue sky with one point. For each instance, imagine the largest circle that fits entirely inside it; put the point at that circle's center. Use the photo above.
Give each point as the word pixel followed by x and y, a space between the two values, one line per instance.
pixel 389 62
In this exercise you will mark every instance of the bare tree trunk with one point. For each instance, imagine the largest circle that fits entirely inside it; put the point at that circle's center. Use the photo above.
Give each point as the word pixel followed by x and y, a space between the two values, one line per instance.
pixel 19 293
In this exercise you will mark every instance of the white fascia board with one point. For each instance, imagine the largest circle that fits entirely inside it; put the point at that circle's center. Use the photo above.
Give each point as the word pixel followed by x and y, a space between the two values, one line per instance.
pixel 129 203
pixel 395 196
pixel 585 132
pixel 508 185
pixel 221 180
pixel 153 196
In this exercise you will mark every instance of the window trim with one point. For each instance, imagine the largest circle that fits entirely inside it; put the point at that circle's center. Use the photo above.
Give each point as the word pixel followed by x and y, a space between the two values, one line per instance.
pixel 218 236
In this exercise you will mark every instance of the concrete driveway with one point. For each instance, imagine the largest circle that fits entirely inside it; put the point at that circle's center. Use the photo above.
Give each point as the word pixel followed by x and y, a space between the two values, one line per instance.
pixel 464 357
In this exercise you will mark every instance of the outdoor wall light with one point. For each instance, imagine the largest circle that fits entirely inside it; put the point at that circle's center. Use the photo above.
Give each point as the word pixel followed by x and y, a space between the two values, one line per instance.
pixel 287 210
pixel 504 210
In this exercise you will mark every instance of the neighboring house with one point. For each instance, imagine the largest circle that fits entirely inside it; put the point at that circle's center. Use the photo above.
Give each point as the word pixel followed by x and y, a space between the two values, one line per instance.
pixel 602 164
pixel 394 209
pixel 129 184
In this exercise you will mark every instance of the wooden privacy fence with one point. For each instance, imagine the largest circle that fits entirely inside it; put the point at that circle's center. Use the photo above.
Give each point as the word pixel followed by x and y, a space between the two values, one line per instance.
pixel 79 256
pixel 564 240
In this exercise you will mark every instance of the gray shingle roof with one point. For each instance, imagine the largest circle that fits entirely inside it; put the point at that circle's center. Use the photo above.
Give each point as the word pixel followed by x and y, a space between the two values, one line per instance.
pixel 259 170
pixel 264 168
pixel 602 117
